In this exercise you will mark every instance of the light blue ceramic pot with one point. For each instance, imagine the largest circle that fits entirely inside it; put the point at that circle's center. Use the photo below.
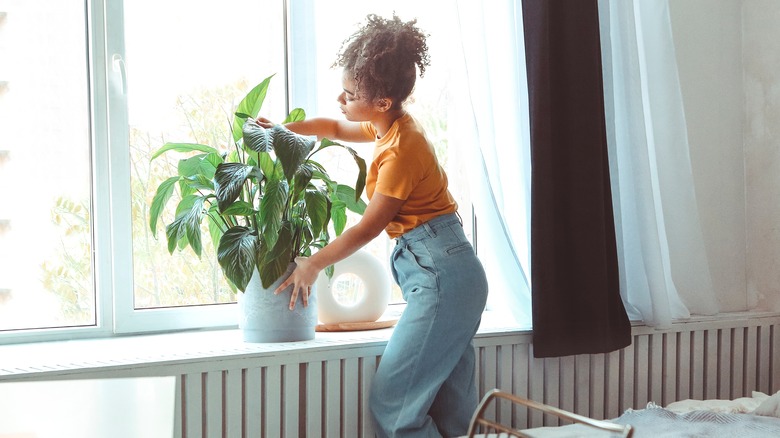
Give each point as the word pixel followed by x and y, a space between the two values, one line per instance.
pixel 265 317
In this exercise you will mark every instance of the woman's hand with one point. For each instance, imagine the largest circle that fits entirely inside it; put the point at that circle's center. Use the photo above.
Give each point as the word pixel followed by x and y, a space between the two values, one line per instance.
pixel 302 279
pixel 265 123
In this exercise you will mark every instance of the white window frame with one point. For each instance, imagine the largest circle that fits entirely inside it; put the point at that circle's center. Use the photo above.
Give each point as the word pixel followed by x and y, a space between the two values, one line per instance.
pixel 111 196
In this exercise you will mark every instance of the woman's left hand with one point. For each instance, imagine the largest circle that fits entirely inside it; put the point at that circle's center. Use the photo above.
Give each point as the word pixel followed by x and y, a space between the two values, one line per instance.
pixel 301 279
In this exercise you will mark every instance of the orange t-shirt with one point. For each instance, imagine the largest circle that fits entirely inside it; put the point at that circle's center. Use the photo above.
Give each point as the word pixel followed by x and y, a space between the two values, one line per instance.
pixel 405 167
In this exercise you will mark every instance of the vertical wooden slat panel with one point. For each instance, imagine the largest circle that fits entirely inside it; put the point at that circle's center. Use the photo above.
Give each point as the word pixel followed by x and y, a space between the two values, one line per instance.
pixel 568 385
pixel 314 406
pixel 193 405
pixel 291 399
pixel 489 368
pixel 213 404
pixel 612 405
pixel 641 371
pixel 711 364
pixel 179 414
pixel 234 404
pixel 536 388
pixel 737 362
pixel 489 377
pixel 520 382
pixel 332 399
pixel 273 402
pixel 751 354
pixel 697 364
pixel 350 399
pixel 582 384
pixel 655 368
pixel 764 360
pixel 627 377
pixel 505 365
pixel 704 363
pixel 725 365
pixel 368 368
pixel 598 386
pixel 774 380
pixel 669 383
pixel 253 402
pixel 683 365
pixel 505 381
pixel 478 353
pixel 552 379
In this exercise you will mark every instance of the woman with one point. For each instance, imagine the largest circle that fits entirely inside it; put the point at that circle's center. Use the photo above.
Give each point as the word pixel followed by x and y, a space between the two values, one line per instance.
pixel 425 383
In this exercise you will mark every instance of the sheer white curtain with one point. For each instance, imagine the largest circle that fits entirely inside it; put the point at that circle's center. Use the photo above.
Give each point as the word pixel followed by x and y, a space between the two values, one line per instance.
pixel 664 271
pixel 488 121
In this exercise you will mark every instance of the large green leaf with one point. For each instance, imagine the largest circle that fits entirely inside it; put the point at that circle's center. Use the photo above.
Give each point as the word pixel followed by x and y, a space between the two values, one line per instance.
pixel 317 206
pixel 360 184
pixel 249 107
pixel 184 147
pixel 186 226
pixel 216 225
pixel 198 182
pixel 272 207
pixel 277 259
pixel 346 194
pixel 296 115
pixel 291 149
pixel 239 208
pixel 229 180
pixel 211 161
pixel 190 166
pixel 256 137
pixel 236 255
pixel 201 164
pixel 301 180
pixel 161 197
pixel 338 212
pixel 268 165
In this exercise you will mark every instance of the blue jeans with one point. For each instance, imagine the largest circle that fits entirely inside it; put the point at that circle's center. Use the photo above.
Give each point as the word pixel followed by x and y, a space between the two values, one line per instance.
pixel 425 383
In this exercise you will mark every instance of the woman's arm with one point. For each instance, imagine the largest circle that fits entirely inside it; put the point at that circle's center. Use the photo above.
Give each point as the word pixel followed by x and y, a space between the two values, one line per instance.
pixel 333 129
pixel 380 211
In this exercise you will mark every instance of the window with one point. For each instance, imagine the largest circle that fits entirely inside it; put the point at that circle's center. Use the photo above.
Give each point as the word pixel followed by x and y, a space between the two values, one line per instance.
pixel 46 270
pixel 82 120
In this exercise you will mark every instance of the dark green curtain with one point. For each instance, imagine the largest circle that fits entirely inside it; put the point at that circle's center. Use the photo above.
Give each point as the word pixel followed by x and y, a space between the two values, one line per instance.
pixel 574 267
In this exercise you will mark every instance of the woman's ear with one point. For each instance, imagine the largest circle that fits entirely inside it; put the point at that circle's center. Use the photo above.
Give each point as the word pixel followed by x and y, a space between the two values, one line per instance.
pixel 384 104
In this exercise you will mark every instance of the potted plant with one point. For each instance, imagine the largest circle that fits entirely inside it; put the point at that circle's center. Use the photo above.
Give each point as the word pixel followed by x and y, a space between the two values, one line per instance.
pixel 266 201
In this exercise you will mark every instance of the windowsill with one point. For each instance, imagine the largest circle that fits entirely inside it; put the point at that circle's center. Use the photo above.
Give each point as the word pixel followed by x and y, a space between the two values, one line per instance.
pixel 35 360
pixel 41 360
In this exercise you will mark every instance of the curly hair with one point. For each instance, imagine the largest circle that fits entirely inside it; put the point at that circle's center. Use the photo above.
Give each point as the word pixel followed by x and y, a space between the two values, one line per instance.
pixel 381 58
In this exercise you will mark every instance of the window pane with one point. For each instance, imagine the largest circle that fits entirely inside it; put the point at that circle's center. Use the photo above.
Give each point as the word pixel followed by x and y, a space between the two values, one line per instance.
pixel 46 269
pixel 188 65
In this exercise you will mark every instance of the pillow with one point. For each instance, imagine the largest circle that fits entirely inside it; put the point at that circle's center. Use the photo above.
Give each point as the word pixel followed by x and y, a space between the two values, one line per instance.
pixel 770 407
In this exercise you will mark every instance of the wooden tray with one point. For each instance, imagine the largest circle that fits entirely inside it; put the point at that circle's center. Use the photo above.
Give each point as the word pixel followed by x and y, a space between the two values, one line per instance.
pixel 355 326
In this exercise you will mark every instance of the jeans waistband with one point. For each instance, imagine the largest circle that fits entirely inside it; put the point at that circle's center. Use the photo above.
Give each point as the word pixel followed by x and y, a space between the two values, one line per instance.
pixel 428 229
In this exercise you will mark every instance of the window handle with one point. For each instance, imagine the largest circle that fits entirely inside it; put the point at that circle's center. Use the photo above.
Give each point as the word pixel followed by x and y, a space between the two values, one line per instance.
pixel 118 65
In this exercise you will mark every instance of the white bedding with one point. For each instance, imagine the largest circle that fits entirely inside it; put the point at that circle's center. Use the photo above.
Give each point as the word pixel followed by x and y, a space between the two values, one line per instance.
pixel 749 417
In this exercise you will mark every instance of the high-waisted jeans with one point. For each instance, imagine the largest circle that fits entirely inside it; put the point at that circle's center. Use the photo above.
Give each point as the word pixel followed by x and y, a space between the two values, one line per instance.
pixel 425 383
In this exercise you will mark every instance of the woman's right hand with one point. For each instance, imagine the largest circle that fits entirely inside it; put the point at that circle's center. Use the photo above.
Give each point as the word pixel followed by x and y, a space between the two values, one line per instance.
pixel 265 123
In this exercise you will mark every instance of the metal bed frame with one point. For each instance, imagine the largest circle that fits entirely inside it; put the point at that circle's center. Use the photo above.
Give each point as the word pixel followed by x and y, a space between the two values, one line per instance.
pixel 490 426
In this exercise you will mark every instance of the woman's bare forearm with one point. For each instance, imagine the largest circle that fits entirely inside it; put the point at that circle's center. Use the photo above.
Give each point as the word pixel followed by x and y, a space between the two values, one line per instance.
pixel 332 129
pixel 319 126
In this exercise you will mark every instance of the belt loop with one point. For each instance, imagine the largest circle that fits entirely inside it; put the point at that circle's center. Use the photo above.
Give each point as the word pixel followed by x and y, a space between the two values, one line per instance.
pixel 429 229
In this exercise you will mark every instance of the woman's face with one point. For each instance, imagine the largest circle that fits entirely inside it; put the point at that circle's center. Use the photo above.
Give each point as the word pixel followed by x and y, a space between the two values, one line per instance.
pixel 354 105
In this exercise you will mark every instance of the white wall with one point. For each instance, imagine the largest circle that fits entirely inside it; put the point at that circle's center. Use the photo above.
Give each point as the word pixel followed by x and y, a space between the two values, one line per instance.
pixel 728 53
pixel 761 63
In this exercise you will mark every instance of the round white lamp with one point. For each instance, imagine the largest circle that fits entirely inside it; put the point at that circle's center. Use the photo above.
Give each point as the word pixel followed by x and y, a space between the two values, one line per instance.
pixel 359 290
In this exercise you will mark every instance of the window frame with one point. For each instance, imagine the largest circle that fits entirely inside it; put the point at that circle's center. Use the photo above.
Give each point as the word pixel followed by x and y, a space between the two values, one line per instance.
pixel 112 240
